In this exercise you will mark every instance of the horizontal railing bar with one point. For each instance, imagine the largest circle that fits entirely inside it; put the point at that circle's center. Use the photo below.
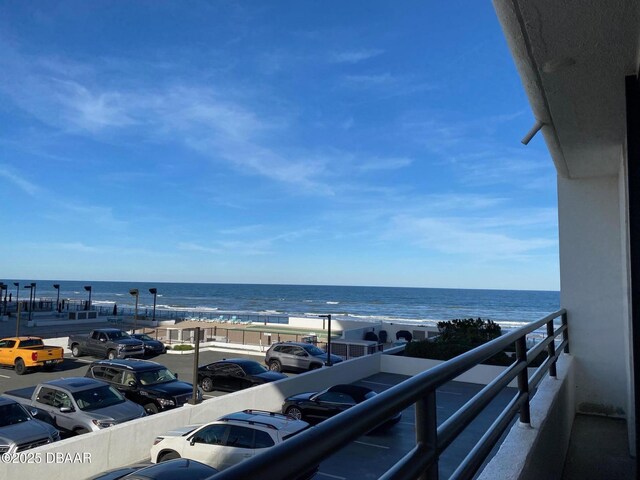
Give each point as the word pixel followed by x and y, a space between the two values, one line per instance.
pixel 334 433
pixel 456 423
pixel 473 461
pixel 412 465
pixel 533 352
pixel 541 371
pixel 561 347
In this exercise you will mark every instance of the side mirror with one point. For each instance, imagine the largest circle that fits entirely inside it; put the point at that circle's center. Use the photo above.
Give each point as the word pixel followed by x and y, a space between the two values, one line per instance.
pixel 175 374
pixel 33 412
pixel 192 442
pixel 66 409
pixel 132 383
pixel 102 339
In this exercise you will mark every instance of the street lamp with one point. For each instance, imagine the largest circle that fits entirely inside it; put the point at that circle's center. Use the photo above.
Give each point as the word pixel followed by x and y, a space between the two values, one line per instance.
pixel 154 292
pixel 57 287
pixel 328 317
pixel 136 293
pixel 88 289
pixel 17 285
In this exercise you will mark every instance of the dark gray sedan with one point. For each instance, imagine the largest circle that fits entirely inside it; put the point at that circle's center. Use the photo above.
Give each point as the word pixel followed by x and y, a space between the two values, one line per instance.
pixel 151 345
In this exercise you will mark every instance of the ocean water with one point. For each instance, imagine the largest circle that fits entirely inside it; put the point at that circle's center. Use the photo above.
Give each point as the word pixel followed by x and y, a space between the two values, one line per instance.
pixel 507 307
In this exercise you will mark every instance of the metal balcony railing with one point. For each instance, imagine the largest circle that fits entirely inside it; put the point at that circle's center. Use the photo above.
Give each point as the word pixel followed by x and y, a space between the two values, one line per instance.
pixel 305 451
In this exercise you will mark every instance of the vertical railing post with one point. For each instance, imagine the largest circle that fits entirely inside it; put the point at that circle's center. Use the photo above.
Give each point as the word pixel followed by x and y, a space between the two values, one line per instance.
pixel 565 333
pixel 427 430
pixel 551 350
pixel 523 380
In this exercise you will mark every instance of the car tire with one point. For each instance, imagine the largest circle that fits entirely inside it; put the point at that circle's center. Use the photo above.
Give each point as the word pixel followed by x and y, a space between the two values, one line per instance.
pixel 207 384
pixel 111 354
pixel 80 431
pixel 294 412
pixel 151 408
pixel 20 367
pixel 168 456
pixel 75 351
pixel 275 366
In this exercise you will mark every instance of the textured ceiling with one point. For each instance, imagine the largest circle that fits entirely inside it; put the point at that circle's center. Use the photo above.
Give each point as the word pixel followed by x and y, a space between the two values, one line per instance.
pixel 573 57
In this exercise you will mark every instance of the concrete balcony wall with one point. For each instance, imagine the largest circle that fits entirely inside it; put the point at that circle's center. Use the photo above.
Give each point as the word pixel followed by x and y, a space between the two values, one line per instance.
pixel 539 451
pixel 594 290
pixel 130 442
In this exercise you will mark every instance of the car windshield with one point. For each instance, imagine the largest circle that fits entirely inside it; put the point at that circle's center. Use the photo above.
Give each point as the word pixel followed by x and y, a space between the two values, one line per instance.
pixel 99 397
pixel 146 338
pixel 253 368
pixel 153 377
pixel 117 335
pixel 12 414
pixel 313 350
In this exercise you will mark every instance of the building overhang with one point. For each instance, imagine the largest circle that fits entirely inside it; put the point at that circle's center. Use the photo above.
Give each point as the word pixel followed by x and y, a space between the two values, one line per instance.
pixel 572 57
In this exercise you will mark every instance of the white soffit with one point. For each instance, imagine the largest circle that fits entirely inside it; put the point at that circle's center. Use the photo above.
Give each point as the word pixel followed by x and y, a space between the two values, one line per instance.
pixel 572 57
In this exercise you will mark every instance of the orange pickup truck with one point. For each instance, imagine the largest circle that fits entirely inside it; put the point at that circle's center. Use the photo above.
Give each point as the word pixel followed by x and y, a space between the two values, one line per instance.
pixel 23 353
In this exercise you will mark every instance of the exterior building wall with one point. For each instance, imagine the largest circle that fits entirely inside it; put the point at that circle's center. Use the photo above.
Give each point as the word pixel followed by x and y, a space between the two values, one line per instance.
pixel 594 290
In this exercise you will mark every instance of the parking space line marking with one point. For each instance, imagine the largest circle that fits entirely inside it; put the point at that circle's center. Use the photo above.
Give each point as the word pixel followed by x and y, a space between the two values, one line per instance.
pixel 448 393
pixel 331 476
pixel 4 376
pixel 209 396
pixel 371 444
pixel 378 383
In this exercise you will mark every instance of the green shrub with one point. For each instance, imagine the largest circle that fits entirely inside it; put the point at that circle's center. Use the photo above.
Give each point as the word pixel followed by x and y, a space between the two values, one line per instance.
pixel 183 347
pixel 459 336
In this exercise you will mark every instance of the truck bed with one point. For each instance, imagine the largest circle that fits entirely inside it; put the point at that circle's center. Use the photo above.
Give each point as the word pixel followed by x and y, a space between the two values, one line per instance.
pixel 25 392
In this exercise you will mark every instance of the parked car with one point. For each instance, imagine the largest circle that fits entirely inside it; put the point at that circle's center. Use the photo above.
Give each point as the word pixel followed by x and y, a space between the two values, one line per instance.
pixel 313 407
pixel 144 382
pixel 151 345
pixel 296 356
pixel 106 342
pixel 235 374
pixel 78 404
pixel 228 440
pixel 177 469
pixel 20 430
pixel 25 353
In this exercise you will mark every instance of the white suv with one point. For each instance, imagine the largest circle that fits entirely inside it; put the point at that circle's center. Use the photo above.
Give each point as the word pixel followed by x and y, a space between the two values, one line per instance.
pixel 228 440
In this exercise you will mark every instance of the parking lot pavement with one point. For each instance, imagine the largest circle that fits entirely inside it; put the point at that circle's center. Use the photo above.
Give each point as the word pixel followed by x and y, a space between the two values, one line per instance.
pixel 371 455
pixel 77 367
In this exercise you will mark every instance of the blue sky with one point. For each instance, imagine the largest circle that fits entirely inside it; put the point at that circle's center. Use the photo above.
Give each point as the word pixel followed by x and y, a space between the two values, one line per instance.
pixel 342 143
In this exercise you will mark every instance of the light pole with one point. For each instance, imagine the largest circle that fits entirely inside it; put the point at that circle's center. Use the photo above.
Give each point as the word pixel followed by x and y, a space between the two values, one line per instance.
pixel 136 293
pixel 154 292
pixel 88 289
pixel 57 287
pixel 17 285
pixel 328 317
pixel 33 285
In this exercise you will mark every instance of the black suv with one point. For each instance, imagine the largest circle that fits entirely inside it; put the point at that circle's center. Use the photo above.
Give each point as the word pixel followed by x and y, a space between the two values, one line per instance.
pixel 146 383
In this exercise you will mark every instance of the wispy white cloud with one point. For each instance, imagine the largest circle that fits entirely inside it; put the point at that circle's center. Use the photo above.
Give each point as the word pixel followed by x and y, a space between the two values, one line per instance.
pixel 468 236
pixel 263 244
pixel 383 164
pixel 355 56
pixel 20 182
